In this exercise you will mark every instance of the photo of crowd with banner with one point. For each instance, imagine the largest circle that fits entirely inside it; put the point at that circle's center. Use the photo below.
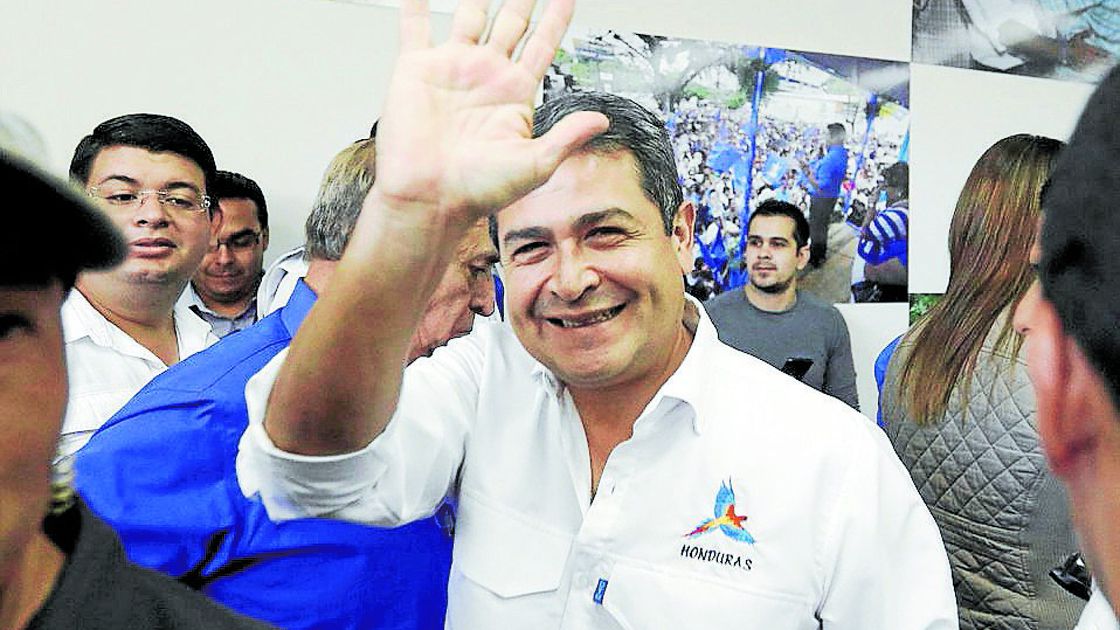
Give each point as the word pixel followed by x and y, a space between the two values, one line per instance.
pixel 751 123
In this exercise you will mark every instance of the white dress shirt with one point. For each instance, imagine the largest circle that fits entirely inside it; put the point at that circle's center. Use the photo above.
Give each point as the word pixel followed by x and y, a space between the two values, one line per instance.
pixel 279 281
pixel 1098 613
pixel 841 539
pixel 107 367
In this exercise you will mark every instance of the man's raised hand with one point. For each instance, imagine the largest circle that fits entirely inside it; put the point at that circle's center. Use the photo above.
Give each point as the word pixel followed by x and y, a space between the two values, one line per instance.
pixel 455 138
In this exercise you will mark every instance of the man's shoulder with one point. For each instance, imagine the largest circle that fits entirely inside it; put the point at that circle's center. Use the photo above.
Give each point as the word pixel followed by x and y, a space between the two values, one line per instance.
pixel 160 602
pixel 811 304
pixel 728 302
pixel 228 359
pixel 103 589
pixel 742 382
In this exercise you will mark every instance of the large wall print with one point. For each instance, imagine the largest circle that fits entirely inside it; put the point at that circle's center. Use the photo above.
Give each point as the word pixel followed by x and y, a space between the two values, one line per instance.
pixel 1075 40
pixel 749 123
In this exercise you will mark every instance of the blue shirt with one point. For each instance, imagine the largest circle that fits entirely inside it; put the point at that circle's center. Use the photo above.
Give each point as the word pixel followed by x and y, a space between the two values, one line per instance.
pixel 161 472
pixel 829 171
pixel 886 236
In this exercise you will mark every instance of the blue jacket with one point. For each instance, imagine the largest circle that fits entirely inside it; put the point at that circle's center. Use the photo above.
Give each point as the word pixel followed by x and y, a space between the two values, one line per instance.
pixel 161 472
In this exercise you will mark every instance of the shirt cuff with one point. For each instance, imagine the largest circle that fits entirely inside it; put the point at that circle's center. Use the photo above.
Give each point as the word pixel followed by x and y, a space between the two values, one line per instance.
pixel 295 486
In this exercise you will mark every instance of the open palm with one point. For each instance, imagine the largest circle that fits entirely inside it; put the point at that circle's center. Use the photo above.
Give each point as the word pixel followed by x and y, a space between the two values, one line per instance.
pixel 456 133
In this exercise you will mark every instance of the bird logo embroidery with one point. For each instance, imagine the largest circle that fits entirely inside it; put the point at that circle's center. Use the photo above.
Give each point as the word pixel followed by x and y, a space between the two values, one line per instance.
pixel 728 522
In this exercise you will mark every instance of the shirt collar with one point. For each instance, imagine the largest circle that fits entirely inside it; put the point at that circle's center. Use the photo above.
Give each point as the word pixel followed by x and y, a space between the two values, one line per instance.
pixel 193 300
pixel 687 383
pixel 295 311
pixel 81 320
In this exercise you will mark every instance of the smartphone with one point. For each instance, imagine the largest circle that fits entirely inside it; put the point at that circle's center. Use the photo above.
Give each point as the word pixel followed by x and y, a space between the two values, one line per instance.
pixel 797 367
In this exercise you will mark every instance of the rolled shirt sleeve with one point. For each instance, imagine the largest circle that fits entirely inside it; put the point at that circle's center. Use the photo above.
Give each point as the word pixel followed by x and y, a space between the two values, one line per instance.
pixel 401 476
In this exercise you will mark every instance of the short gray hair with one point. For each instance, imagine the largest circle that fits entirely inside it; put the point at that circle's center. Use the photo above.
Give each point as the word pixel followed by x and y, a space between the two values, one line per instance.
pixel 339 202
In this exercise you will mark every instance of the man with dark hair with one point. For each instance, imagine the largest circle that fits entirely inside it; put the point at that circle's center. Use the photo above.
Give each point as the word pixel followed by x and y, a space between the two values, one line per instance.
pixel 66 570
pixel 150 175
pixel 772 320
pixel 178 438
pixel 825 176
pixel 224 290
pixel 880 273
pixel 1069 322
pixel 587 441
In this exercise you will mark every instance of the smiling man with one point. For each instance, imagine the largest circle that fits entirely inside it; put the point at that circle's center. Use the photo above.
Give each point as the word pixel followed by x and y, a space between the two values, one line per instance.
pixel 607 470
pixel 772 320
pixel 150 175
pixel 224 291
pixel 60 566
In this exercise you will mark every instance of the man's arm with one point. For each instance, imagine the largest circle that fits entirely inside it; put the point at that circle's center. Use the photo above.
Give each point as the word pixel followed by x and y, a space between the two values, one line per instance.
pixel 454 145
pixel 840 372
pixel 885 564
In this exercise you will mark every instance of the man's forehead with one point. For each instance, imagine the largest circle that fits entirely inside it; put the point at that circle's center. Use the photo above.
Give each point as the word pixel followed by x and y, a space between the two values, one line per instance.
pixel 588 182
pixel 771 226
pixel 119 159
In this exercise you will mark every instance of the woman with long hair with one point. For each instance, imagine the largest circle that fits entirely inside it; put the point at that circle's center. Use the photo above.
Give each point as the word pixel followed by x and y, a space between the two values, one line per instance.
pixel 959 408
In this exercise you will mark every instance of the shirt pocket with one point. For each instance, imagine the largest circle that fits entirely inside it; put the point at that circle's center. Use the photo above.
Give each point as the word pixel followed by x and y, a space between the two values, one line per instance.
pixel 506 552
pixel 640 598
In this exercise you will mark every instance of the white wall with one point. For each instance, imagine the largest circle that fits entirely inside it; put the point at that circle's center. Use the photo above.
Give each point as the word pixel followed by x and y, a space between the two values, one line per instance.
pixel 278 86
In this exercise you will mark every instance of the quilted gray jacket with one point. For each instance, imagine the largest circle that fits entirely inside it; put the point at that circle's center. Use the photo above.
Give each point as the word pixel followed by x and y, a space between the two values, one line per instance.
pixel 1002 515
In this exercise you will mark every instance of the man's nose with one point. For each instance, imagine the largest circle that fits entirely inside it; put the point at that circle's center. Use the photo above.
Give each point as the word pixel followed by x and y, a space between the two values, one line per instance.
pixel 224 253
pixel 150 211
pixel 483 296
pixel 574 275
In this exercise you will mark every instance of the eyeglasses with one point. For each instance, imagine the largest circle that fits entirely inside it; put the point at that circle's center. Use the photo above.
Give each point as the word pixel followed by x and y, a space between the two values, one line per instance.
pixel 185 200
pixel 238 242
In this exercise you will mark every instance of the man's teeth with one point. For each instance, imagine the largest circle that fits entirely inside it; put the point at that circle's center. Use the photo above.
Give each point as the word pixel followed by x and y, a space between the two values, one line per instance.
pixel 588 321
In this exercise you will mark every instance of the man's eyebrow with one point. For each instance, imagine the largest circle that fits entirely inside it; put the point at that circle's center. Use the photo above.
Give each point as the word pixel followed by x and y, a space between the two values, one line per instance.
pixel 526 234
pixel 594 218
pixel 178 184
pixel 242 232
pixel 134 182
pixel 121 178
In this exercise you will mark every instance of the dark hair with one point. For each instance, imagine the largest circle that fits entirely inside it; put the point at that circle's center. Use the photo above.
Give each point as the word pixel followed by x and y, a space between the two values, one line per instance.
pixel 835 128
pixel 230 185
pixel 1081 235
pixel 897 175
pixel 633 128
pixel 776 208
pixel 990 237
pixel 153 132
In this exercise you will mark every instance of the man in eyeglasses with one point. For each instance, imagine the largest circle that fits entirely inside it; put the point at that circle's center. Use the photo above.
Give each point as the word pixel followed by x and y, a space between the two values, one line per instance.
pixel 224 291
pixel 61 567
pixel 150 175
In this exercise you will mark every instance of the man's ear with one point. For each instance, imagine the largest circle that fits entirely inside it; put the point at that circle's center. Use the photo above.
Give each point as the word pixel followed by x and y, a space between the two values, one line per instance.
pixel 802 256
pixel 264 239
pixel 682 235
pixel 1072 400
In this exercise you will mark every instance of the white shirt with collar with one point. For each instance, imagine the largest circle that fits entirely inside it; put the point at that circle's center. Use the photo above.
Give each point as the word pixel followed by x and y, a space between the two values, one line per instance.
pixel 279 281
pixel 221 325
pixel 841 539
pixel 107 367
